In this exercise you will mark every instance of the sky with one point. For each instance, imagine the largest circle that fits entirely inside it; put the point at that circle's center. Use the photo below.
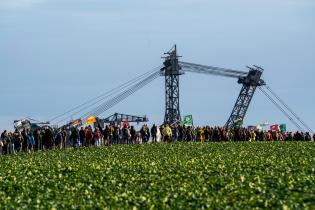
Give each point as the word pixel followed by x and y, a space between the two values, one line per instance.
pixel 55 55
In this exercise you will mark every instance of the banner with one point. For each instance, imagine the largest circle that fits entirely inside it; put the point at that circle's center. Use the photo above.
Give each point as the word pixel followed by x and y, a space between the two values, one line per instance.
pixel 274 128
pixel 126 123
pixel 90 120
pixel 187 120
pixel 283 128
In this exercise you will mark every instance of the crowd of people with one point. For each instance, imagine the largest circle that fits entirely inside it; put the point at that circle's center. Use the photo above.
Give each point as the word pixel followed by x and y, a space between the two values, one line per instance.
pixel 48 138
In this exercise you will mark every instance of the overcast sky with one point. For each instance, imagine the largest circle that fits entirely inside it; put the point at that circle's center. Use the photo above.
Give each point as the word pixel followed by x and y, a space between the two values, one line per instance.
pixel 57 54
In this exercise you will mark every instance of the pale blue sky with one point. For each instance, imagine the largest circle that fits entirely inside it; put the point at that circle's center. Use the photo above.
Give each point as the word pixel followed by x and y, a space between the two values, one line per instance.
pixel 57 54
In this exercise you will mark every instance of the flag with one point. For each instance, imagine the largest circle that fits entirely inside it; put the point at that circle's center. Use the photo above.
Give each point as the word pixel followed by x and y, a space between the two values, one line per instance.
pixel 274 128
pixel 126 123
pixel 90 120
pixel 283 128
pixel 187 120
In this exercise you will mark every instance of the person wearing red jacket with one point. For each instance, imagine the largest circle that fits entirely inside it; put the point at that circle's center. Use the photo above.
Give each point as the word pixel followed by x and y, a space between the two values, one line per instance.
pixel 88 136
pixel 97 137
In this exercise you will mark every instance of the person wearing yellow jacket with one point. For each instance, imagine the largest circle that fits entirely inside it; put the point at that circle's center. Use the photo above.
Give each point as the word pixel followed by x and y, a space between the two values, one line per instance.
pixel 167 134
pixel 253 136
pixel 202 135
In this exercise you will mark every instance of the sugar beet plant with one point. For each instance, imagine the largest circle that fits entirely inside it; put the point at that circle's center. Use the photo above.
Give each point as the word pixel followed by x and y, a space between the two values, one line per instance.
pixel 163 176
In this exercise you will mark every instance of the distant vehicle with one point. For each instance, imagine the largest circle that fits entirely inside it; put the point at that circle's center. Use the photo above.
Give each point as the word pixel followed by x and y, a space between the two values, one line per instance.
pixel 73 124
pixel 30 124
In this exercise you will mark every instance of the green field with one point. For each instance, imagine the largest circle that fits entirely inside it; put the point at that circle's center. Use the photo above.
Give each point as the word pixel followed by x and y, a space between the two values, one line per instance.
pixel 187 176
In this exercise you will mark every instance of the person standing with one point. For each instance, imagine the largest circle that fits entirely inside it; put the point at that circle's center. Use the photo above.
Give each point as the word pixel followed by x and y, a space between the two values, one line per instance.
pixel 145 134
pixel 154 133
pixel 180 132
pixel 18 141
pixel 1 146
pixel 10 144
pixel 133 135
pixel 58 140
pixel 167 134
pixel 193 133
pixel 88 136
pixel 198 134
pixel 51 138
pixel 106 134
pixel 125 135
pixel 41 139
pixel 116 135
pixel 74 137
pixel 174 129
pixel 188 134
pixel 36 135
pixel 47 139
pixel 64 138
pixel 161 128
pixel 138 138
pixel 30 142
pixel 24 142
pixel 2 142
pixel 97 137
pixel 253 136
pixel 308 137
pixel 82 137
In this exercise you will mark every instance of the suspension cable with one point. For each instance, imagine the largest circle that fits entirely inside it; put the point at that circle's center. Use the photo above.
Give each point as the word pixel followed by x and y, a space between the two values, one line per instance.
pixel 280 108
pixel 289 109
pixel 110 103
pixel 120 98
pixel 101 97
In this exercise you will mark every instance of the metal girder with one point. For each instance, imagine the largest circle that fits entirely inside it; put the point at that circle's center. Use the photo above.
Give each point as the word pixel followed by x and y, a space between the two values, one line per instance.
pixel 241 106
pixel 203 69
pixel 171 72
pixel 118 118
pixel 173 69
pixel 172 112
pixel 250 83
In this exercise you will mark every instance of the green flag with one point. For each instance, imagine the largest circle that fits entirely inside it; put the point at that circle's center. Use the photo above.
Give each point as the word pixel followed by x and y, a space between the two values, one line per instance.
pixel 283 128
pixel 187 120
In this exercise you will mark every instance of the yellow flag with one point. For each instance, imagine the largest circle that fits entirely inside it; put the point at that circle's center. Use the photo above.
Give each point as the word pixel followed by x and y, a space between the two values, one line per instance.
pixel 90 120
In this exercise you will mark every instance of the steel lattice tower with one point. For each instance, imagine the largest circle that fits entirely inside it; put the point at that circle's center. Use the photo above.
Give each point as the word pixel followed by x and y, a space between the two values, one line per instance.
pixel 171 72
pixel 250 83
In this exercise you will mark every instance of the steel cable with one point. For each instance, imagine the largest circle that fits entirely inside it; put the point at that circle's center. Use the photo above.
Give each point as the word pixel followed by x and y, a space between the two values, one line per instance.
pixel 280 108
pixel 102 97
pixel 289 109
pixel 110 103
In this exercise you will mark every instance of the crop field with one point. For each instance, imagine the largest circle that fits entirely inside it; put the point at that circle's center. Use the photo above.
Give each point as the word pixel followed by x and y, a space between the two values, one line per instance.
pixel 277 175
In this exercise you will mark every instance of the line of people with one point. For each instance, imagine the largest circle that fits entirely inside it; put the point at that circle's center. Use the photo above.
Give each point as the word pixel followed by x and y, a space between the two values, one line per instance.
pixel 48 138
